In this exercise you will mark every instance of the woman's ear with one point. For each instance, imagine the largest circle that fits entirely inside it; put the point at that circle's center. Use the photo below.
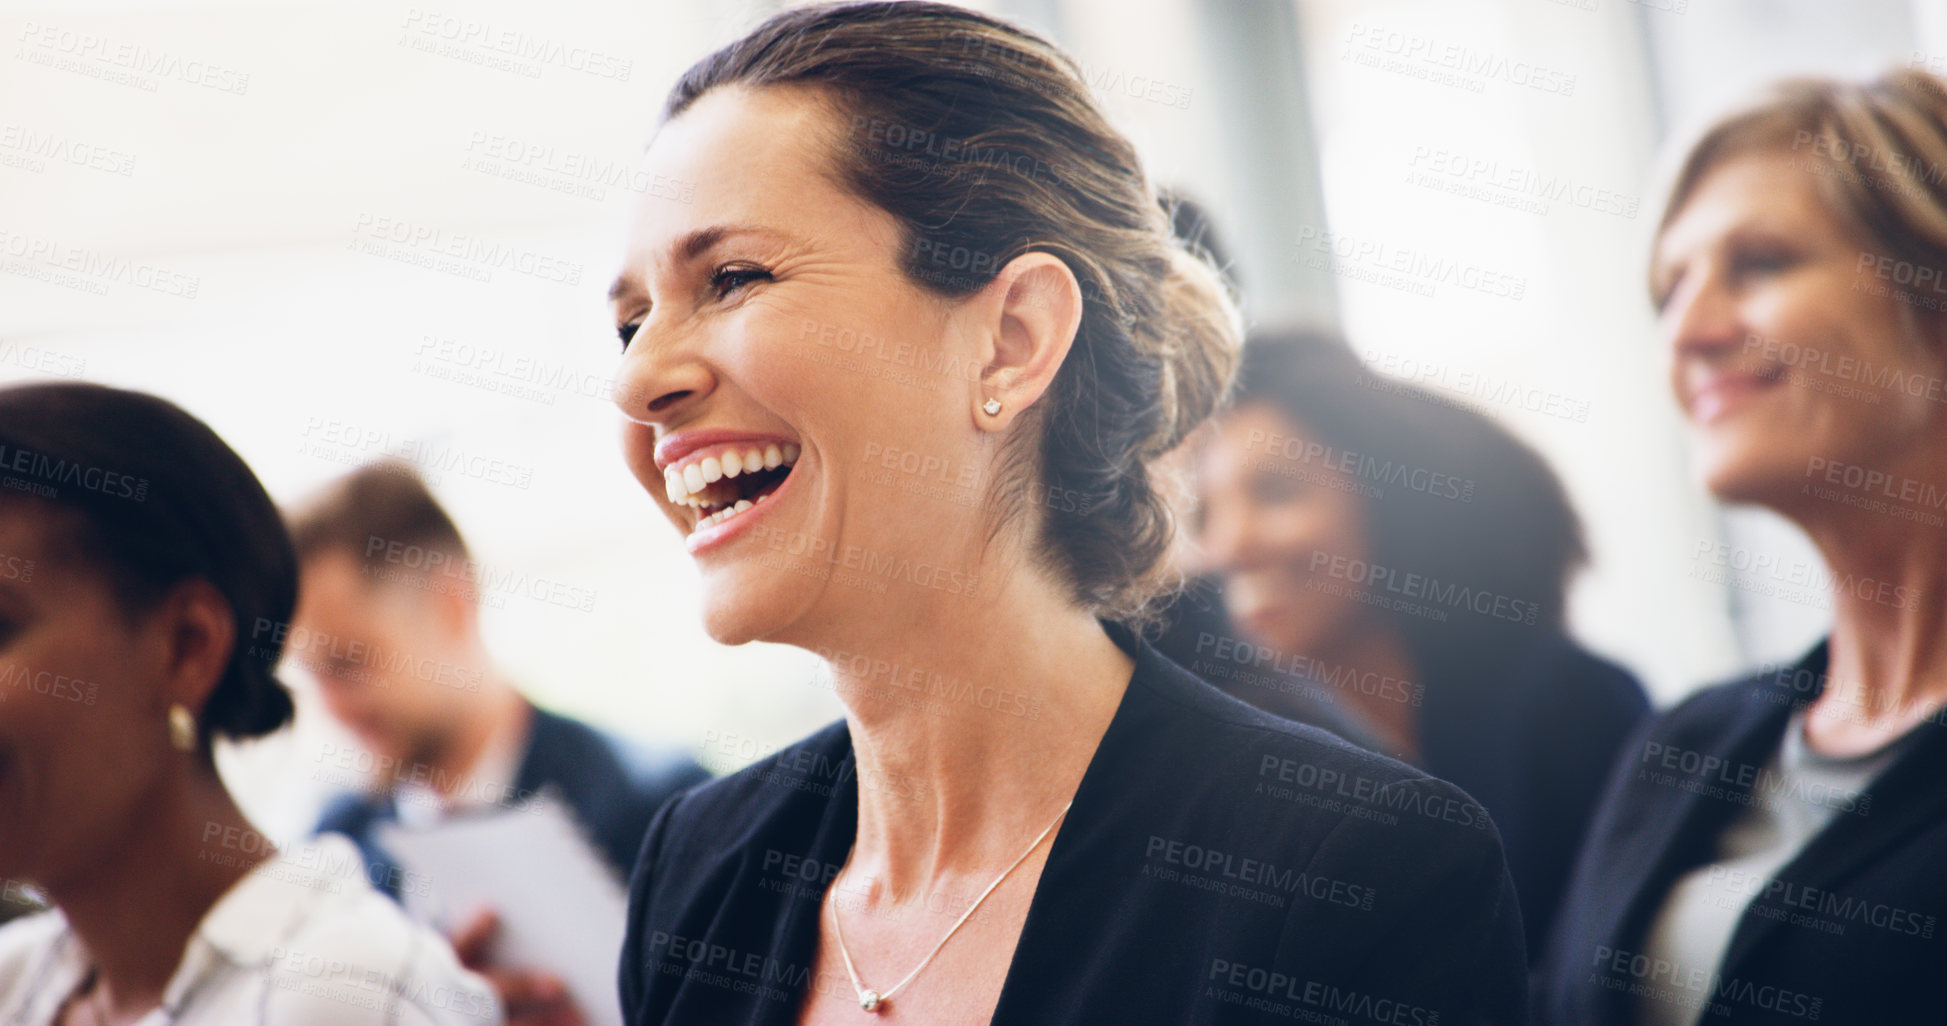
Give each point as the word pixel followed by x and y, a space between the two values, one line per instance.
pixel 1038 306
pixel 198 631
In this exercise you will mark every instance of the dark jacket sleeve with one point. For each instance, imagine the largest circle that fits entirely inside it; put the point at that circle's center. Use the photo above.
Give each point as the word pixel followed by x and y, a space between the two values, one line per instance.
pixel 634 988
pixel 1577 734
pixel 637 803
pixel 614 787
pixel 1443 943
pixel 1560 969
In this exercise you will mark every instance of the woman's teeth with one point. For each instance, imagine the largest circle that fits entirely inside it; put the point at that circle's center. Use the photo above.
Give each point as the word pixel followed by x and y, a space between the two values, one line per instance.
pixel 727 512
pixel 696 483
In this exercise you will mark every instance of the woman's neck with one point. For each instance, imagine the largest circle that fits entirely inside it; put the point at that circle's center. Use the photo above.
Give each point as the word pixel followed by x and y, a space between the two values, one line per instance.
pixel 973 719
pixel 1887 666
pixel 135 905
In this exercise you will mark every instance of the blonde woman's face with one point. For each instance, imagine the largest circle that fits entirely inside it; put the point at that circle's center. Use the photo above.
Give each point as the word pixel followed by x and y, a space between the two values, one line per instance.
pixel 1788 352
pixel 777 356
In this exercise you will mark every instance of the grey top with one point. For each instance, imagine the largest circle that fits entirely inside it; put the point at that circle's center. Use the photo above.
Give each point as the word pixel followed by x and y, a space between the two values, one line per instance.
pixel 1794 797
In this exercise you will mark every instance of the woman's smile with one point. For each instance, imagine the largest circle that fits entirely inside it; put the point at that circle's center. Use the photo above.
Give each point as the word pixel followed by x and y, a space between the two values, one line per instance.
pixel 715 478
pixel 1716 394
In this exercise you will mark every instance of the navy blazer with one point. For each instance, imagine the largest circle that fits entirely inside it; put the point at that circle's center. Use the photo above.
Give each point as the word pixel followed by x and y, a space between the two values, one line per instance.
pixel 612 788
pixel 1534 743
pixel 1219 865
pixel 1846 932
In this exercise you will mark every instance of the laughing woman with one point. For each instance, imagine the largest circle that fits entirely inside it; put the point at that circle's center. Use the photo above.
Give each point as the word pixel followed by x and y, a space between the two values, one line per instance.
pixel 896 369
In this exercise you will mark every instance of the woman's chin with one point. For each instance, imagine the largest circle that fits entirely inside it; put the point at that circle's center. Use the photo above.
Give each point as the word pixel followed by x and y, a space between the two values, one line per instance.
pixel 1749 467
pixel 1744 484
pixel 1272 627
pixel 730 626
pixel 747 611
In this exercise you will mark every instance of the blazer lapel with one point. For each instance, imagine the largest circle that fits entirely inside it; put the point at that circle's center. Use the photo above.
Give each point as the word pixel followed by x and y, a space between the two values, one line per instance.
pixel 1906 797
pixel 1683 835
pixel 537 752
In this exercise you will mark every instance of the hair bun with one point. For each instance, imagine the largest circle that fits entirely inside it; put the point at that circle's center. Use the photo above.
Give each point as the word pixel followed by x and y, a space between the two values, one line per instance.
pixel 1197 339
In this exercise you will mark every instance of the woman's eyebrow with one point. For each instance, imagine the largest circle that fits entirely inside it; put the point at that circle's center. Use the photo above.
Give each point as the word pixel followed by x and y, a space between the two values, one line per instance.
pixel 621 287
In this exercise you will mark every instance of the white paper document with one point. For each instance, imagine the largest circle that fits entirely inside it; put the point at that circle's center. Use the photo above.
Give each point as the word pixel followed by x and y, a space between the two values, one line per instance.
pixel 561 908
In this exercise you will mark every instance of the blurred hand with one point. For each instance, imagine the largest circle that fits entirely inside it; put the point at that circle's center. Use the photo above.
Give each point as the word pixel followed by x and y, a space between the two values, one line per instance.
pixel 531 998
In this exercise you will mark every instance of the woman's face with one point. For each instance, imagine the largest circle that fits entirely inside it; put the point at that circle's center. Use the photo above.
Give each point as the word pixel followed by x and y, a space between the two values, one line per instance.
pixel 1787 348
pixel 773 333
pixel 1272 522
pixel 83 732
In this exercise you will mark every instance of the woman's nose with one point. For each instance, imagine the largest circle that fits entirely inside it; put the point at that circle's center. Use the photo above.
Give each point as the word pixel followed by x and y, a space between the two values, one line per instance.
pixel 1702 319
pixel 1224 537
pixel 662 376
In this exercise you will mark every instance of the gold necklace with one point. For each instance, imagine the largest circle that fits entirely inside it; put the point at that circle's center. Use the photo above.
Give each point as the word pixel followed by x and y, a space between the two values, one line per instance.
pixel 873 1001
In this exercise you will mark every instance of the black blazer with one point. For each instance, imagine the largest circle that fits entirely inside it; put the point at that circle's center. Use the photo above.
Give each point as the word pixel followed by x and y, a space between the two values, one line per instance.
pixel 1532 740
pixel 612 788
pixel 1534 743
pixel 1847 932
pixel 1217 861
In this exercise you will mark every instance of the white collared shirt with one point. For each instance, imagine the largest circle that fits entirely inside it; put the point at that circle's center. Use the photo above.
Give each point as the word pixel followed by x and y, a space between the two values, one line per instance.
pixel 303 940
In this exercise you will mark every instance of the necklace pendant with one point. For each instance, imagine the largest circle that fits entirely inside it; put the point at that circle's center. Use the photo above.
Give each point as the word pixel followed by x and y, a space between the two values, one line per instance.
pixel 869 1000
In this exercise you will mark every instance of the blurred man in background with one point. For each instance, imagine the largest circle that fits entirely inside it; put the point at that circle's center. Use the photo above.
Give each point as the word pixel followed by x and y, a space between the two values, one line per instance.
pixel 388 622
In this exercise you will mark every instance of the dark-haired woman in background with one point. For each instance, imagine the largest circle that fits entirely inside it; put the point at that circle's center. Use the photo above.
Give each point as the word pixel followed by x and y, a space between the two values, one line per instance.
pixel 897 372
pixel 1192 629
pixel 1412 558
pixel 144 579
pixel 1772 850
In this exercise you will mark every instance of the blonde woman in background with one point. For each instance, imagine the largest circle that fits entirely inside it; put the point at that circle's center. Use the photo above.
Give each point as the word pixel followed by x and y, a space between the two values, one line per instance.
pixel 1771 850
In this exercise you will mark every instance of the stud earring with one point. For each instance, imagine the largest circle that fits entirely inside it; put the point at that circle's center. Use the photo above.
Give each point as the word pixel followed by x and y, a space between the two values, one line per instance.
pixel 182 728
pixel 992 407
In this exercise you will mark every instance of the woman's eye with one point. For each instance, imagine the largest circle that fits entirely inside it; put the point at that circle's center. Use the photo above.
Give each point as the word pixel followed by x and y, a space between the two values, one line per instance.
pixel 1276 490
pixel 1763 261
pixel 729 279
pixel 626 332
pixel 1661 293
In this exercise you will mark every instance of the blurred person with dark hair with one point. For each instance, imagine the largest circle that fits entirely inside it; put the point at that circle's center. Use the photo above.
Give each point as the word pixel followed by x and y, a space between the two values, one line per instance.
pixel 1196 632
pixel 389 620
pixel 1016 818
pixel 1411 557
pixel 139 563
pixel 1192 627
pixel 1772 849
pixel 1193 225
